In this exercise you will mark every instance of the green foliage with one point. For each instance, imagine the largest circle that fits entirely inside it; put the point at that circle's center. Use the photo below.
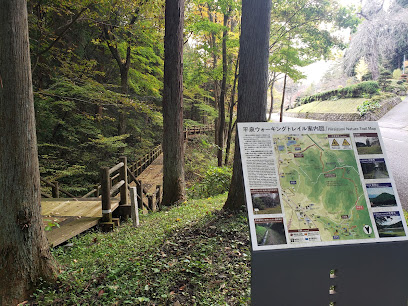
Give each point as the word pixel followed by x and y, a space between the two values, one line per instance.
pixel 260 232
pixel 203 68
pixel 368 106
pixel 367 77
pixel 196 109
pixel 50 224
pixel 384 81
pixel 75 140
pixel 216 181
pixel 203 177
pixel 396 74
pixel 354 91
pixel 298 36
pixel 396 86
pixel 77 84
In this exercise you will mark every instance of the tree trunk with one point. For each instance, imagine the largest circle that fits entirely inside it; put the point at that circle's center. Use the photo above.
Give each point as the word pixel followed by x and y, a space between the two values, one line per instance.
pixel 24 251
pixel 272 84
pixel 231 113
pixel 252 83
pixel 283 97
pixel 124 76
pixel 213 43
pixel 124 66
pixel 221 104
pixel 173 136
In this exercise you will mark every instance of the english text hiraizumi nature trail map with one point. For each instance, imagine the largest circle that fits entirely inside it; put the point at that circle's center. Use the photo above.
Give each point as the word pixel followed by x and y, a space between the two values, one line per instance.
pixel 322 194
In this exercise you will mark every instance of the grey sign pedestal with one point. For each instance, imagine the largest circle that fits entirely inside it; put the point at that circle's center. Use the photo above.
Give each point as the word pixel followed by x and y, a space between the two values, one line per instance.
pixel 368 274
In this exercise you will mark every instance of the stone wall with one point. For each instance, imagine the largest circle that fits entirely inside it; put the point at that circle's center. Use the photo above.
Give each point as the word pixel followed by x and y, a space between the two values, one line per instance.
pixel 386 106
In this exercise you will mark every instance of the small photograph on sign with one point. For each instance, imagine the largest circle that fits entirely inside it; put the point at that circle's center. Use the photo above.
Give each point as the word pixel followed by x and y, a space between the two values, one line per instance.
pixel 367 143
pixel 374 168
pixel 270 231
pixel 381 195
pixel 389 224
pixel 266 201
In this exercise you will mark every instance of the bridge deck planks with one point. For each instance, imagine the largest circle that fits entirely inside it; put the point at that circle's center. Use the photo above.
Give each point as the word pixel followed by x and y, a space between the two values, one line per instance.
pixel 73 215
pixel 152 175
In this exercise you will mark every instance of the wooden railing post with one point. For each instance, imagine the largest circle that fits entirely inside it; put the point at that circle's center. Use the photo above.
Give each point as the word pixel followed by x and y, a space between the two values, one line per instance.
pixel 134 206
pixel 139 187
pixel 158 195
pixel 123 176
pixel 55 190
pixel 106 200
pixel 150 202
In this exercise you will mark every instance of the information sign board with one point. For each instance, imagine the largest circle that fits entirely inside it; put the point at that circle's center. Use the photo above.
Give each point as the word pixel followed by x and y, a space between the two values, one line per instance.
pixel 318 184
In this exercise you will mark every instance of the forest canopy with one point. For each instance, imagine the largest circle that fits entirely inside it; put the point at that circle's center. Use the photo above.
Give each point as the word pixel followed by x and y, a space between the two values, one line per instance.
pixel 97 71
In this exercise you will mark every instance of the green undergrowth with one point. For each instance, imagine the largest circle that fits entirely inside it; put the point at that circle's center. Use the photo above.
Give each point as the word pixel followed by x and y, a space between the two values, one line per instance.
pixel 203 177
pixel 190 254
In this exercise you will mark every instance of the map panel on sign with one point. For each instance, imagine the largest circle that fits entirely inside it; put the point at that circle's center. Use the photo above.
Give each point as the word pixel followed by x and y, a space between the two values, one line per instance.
pixel 322 194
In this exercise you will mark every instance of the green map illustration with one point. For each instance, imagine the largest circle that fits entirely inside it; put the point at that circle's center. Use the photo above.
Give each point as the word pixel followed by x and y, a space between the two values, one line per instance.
pixel 321 187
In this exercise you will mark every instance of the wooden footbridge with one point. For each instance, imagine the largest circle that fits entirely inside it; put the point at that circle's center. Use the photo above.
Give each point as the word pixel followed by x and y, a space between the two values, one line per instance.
pixel 67 217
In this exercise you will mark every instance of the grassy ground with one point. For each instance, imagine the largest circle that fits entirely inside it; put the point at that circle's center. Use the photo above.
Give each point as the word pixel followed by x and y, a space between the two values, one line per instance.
pixel 190 254
pixel 329 106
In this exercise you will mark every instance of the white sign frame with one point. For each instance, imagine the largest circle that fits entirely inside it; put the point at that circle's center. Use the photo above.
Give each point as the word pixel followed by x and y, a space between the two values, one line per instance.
pixel 260 152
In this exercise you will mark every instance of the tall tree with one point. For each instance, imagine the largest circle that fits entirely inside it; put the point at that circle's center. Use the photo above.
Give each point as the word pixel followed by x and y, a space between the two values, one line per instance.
pixel 24 252
pixel 300 34
pixel 173 136
pixel 214 24
pixel 221 103
pixel 381 38
pixel 123 63
pixel 231 107
pixel 252 83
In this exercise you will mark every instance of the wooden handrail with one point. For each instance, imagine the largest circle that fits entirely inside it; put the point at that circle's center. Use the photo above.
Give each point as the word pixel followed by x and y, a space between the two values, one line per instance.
pixel 45 195
pixel 89 193
pixel 107 191
pixel 116 167
pixel 56 189
pixel 47 182
pixel 116 187
pixel 115 176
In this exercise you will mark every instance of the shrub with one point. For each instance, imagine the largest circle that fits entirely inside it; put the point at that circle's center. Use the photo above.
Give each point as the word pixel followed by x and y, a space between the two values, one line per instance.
pixel 216 181
pixel 369 87
pixel 367 77
pixel 363 89
pixel 384 80
pixel 369 105
pixel 396 74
